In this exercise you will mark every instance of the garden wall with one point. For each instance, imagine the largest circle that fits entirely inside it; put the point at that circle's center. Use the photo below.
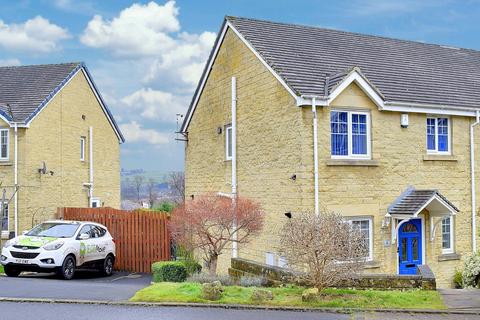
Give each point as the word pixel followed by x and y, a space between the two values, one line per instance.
pixel 424 279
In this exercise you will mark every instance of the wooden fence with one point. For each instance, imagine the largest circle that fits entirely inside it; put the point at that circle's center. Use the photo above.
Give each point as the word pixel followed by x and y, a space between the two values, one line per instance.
pixel 141 236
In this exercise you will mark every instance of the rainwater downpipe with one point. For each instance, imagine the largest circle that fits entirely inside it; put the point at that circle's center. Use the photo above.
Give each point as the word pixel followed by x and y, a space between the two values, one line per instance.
pixel 15 155
pixel 90 160
pixel 315 153
pixel 234 166
pixel 472 178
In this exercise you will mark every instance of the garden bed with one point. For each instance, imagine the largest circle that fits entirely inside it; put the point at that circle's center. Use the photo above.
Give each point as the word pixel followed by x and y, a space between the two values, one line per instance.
pixel 292 296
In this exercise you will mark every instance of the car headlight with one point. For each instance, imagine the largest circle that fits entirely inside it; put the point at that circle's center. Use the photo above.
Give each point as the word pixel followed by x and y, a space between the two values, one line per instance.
pixel 53 246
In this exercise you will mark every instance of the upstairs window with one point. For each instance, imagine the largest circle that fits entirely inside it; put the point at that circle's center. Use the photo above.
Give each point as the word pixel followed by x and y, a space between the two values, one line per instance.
pixel 438 135
pixel 4 142
pixel 82 148
pixel 350 134
pixel 228 142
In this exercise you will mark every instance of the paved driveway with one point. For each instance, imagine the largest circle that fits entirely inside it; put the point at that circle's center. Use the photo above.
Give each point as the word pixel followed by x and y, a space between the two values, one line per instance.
pixel 461 299
pixel 85 286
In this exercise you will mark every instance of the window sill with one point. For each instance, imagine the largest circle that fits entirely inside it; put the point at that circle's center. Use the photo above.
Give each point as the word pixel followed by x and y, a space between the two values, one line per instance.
pixel 449 256
pixel 353 162
pixel 372 264
pixel 5 235
pixel 5 163
pixel 439 157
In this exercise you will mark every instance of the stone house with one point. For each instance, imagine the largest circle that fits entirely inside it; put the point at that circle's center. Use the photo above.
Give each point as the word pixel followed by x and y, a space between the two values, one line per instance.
pixel 59 144
pixel 383 131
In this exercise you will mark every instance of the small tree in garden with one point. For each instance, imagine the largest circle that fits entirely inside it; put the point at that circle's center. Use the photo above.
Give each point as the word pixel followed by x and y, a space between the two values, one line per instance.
pixel 207 223
pixel 325 249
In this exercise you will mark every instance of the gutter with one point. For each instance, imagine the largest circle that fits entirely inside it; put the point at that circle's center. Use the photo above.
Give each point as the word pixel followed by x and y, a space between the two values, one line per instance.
pixel 472 179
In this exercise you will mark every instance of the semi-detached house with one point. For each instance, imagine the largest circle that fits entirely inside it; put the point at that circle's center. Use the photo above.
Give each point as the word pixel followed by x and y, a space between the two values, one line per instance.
pixel 59 144
pixel 383 131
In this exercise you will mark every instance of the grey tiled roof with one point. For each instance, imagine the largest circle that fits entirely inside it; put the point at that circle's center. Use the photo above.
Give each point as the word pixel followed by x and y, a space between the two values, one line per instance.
pixel 413 200
pixel 403 71
pixel 24 88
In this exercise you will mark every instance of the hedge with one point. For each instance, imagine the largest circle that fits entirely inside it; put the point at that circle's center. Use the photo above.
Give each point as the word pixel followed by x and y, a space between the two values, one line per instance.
pixel 169 271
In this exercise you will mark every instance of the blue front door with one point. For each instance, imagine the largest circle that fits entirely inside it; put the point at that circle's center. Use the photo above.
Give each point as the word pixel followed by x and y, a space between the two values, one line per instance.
pixel 410 246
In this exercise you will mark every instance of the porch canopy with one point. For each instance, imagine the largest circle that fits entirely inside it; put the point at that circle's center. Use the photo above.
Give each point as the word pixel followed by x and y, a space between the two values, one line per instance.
pixel 412 202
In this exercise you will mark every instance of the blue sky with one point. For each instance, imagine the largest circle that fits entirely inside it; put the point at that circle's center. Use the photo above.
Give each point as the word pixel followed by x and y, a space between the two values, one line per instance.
pixel 146 57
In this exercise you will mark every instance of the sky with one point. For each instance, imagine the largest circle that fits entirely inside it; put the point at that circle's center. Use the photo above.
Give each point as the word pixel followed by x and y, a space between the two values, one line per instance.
pixel 146 57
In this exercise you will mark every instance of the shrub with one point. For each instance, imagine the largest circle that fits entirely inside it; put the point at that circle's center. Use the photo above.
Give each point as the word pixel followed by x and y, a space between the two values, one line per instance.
pixel 207 278
pixel 169 271
pixel 192 267
pixel 458 279
pixel 252 281
pixel 471 270
pixel 327 248
pixel 310 295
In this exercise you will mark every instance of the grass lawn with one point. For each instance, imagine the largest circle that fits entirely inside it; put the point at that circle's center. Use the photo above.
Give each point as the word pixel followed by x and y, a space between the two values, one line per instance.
pixel 292 296
pixel 1 268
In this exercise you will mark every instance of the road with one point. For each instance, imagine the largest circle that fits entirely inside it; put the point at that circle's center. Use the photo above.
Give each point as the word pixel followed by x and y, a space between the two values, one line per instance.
pixel 62 311
pixel 85 286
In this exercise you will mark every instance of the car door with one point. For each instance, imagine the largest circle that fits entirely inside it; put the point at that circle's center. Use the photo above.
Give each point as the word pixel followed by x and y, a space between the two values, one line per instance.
pixel 100 242
pixel 87 246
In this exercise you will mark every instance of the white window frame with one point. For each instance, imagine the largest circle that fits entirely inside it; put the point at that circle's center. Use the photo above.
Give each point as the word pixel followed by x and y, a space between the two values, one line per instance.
pixel 228 136
pixel 349 133
pixel 448 250
pixel 83 141
pixel 97 201
pixel 8 144
pixel 350 221
pixel 449 138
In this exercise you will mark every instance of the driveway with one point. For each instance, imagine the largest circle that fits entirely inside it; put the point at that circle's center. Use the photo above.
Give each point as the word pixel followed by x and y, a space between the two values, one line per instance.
pixel 461 299
pixel 85 286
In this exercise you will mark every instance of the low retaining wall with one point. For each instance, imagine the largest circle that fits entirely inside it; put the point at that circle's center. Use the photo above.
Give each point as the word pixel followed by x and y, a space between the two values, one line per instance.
pixel 424 279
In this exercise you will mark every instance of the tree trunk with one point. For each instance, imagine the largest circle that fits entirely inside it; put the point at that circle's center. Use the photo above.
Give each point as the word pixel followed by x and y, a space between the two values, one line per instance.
pixel 212 264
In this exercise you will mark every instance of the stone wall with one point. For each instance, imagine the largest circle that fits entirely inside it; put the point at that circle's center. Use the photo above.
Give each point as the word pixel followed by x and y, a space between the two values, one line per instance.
pixel 275 276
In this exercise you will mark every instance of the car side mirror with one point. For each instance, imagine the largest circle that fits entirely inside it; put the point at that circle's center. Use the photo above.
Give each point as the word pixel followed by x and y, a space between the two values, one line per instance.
pixel 24 232
pixel 84 236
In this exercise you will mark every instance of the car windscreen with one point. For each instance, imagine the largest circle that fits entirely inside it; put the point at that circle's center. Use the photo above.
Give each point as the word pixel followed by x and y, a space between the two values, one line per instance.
pixel 55 230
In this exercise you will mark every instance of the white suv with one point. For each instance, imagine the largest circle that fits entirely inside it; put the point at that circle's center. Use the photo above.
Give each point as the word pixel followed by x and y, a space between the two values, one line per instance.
pixel 61 246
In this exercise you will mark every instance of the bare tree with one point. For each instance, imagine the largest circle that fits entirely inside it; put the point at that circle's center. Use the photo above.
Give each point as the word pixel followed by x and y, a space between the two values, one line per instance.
pixel 325 248
pixel 152 193
pixel 206 223
pixel 138 182
pixel 176 181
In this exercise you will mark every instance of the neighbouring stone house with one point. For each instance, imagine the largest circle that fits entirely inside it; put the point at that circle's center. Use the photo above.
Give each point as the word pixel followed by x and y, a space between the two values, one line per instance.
pixel 59 144
pixel 375 128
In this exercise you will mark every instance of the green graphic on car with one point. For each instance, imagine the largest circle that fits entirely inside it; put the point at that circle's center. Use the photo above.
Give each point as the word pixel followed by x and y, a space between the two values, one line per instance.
pixel 28 241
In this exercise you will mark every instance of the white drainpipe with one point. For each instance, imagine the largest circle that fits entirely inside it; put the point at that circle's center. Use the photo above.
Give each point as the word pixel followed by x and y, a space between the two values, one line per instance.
pixel 15 155
pixel 90 190
pixel 472 178
pixel 234 164
pixel 315 153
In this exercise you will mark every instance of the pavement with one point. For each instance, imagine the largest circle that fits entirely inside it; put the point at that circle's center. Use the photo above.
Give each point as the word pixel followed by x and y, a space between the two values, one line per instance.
pixel 61 311
pixel 86 285
pixel 461 299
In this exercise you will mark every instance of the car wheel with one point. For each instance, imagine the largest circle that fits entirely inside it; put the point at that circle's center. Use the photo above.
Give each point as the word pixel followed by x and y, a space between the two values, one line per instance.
pixel 67 271
pixel 107 269
pixel 11 272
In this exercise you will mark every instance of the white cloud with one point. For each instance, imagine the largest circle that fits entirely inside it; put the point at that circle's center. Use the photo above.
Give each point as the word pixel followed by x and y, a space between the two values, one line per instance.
pixel 135 133
pixel 137 30
pixel 150 34
pixel 34 35
pixel 156 104
pixel 9 62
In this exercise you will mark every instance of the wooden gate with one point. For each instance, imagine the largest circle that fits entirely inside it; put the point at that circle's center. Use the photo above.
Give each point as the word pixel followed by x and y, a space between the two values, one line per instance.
pixel 141 236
